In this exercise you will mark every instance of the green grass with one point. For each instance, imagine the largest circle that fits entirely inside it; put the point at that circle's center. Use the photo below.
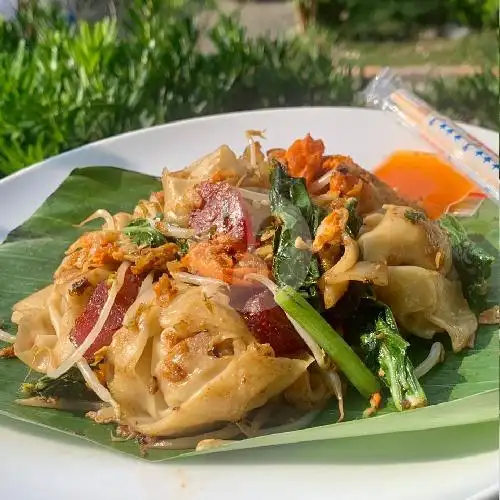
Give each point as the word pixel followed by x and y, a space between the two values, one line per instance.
pixel 477 49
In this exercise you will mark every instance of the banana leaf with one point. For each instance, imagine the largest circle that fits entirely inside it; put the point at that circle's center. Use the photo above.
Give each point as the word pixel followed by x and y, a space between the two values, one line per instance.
pixel 462 391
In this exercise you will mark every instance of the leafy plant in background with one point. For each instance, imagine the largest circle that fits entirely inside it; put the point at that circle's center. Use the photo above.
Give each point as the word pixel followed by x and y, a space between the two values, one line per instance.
pixel 264 73
pixel 474 13
pixel 64 85
pixel 365 19
pixel 402 19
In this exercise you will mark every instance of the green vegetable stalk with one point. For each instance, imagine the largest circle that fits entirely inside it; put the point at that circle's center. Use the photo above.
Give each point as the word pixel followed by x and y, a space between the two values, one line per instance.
pixel 387 353
pixel 472 263
pixel 328 339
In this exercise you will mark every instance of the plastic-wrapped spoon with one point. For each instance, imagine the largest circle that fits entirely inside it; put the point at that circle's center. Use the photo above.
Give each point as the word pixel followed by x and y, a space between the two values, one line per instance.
pixel 468 155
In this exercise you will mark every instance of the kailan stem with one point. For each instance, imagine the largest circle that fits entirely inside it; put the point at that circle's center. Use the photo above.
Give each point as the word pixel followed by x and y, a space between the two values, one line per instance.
pixel 329 340
pixel 385 346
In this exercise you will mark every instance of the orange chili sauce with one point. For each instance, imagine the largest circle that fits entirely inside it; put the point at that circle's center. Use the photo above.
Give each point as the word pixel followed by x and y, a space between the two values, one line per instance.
pixel 426 179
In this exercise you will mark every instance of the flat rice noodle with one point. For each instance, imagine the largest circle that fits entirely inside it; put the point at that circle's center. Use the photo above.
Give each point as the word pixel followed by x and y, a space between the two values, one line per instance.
pixel 425 303
pixel 181 198
pixel 333 292
pixel 187 366
pixel 248 382
pixel 219 165
pixel 45 320
pixel 397 241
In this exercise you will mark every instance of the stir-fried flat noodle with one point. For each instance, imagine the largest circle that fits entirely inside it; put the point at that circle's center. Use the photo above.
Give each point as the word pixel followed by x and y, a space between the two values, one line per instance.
pixel 220 165
pixel 198 350
pixel 406 237
pixel 180 198
pixel 164 310
pixel 45 320
pixel 418 254
pixel 425 302
pixel 335 281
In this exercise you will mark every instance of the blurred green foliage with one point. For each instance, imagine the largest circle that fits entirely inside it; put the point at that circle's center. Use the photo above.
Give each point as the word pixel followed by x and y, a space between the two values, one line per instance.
pixel 402 19
pixel 65 85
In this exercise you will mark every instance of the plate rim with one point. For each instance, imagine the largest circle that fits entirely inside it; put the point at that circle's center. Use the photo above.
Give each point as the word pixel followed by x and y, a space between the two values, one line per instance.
pixel 201 119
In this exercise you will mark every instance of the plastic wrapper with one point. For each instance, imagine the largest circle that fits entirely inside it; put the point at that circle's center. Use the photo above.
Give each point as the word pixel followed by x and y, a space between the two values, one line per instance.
pixel 465 153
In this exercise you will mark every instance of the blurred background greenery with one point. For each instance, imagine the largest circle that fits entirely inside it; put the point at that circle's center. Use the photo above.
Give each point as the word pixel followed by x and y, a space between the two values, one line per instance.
pixel 401 19
pixel 64 83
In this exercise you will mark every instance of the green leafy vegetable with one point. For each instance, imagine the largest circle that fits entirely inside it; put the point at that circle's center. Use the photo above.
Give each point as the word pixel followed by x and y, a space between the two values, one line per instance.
pixel 71 385
pixel 328 339
pixel 473 263
pixel 415 216
pixel 143 233
pixel 386 353
pixel 300 218
pixel 354 222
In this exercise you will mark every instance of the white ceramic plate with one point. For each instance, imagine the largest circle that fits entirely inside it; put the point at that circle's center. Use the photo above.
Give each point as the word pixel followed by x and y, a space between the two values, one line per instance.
pixel 39 464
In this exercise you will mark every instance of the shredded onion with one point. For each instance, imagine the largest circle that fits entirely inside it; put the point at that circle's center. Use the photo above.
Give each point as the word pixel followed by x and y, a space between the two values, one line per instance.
pixel 321 182
pixel 299 423
pixel 263 415
pixel 146 284
pixel 240 180
pixel 262 198
pixel 264 280
pixel 144 295
pixel 490 317
pixel 316 350
pixel 436 355
pixel 101 320
pixel 176 231
pixel 93 382
pixel 117 439
pixel 194 279
pixel 251 134
pixel 7 337
pixel 253 155
pixel 101 214
pixel 104 415
pixel 334 380
pixel 190 442
pixel 326 197
pixel 59 404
